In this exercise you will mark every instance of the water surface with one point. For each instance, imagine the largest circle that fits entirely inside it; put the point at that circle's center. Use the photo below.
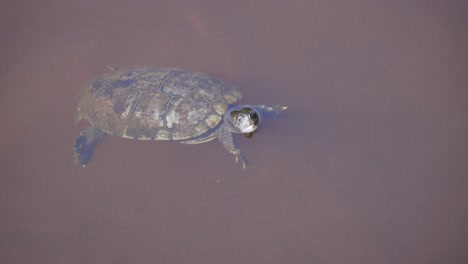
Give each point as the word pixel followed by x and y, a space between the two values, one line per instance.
pixel 367 165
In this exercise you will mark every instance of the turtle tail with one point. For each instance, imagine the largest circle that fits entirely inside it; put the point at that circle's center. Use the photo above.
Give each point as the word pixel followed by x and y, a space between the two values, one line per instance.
pixel 86 143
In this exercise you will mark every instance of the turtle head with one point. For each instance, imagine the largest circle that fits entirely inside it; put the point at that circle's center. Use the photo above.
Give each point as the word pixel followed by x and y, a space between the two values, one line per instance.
pixel 243 120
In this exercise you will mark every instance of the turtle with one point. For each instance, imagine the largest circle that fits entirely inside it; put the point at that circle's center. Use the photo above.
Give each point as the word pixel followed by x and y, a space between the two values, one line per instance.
pixel 165 104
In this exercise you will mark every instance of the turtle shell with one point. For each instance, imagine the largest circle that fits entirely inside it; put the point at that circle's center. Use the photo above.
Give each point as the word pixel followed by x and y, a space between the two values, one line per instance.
pixel 157 103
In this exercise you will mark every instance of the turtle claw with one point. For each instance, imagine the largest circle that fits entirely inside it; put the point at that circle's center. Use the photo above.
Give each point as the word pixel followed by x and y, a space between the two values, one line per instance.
pixel 244 161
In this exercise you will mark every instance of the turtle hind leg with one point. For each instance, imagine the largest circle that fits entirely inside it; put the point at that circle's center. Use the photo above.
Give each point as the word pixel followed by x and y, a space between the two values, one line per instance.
pixel 86 143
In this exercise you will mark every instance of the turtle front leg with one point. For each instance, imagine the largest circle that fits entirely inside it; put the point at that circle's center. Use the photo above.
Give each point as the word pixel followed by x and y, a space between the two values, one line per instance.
pixel 270 111
pixel 225 136
pixel 86 143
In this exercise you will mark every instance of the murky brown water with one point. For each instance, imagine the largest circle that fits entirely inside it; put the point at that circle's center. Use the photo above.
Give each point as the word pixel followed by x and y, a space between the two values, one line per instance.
pixel 368 164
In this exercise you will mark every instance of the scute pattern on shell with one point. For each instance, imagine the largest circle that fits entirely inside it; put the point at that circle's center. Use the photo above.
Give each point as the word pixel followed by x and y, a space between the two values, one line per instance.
pixel 157 103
